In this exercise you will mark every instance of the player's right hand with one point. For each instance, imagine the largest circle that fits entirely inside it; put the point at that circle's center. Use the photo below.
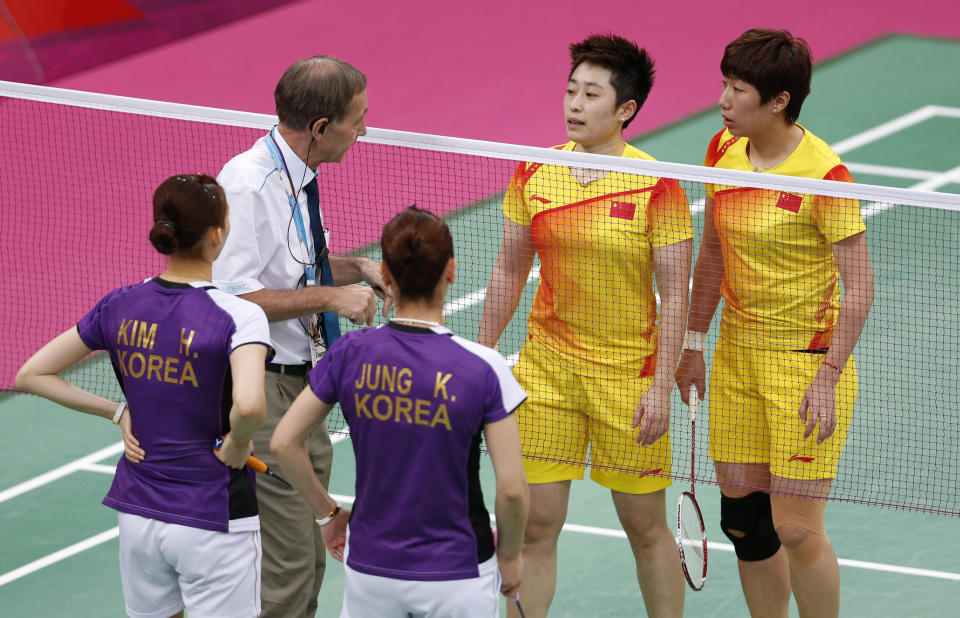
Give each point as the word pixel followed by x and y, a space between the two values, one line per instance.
pixel 357 303
pixel 511 575
pixel 335 533
pixel 652 415
pixel 234 454
pixel 691 370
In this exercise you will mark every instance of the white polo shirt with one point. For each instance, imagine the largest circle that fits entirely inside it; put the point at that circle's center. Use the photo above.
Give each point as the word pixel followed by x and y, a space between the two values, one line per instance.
pixel 263 248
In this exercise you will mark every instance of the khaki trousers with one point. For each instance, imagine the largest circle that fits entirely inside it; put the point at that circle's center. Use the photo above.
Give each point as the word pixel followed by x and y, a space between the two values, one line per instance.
pixel 294 556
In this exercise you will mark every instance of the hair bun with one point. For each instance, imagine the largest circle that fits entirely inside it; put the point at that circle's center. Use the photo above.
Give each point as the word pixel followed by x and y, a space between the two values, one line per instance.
pixel 163 237
pixel 416 246
pixel 185 207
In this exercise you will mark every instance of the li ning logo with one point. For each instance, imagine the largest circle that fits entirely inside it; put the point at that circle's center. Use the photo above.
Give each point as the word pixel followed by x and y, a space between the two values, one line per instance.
pixel 801 459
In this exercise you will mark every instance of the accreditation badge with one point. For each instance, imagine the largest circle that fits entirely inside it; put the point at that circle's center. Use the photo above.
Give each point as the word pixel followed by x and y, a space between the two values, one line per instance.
pixel 317 347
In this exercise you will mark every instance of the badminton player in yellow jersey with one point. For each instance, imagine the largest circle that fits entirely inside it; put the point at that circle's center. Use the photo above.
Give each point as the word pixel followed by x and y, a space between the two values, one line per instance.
pixel 783 380
pixel 597 366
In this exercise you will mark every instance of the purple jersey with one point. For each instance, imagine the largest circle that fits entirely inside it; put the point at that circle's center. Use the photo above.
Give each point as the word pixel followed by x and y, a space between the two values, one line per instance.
pixel 416 401
pixel 170 346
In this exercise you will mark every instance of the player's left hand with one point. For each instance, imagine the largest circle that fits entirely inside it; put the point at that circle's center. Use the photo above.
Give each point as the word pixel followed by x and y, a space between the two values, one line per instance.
pixel 131 446
pixel 370 271
pixel 335 533
pixel 819 405
pixel 653 414
pixel 511 575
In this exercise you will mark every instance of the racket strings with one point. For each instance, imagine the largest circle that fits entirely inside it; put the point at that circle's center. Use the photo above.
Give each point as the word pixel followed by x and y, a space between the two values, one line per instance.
pixel 692 541
pixel 691 532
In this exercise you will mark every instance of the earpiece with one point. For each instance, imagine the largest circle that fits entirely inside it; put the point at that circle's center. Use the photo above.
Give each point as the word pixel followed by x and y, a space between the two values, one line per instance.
pixel 320 129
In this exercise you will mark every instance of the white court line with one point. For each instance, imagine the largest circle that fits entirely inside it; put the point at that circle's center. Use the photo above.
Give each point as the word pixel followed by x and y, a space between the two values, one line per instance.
pixel 104 468
pixel 476 297
pixel 947 112
pixel 726 547
pixel 464 302
pixel 57 556
pixel 930 184
pixel 884 130
pixel 97 539
pixel 935 182
pixel 111 534
pixel 887 170
pixel 62 471
pixel 894 126
pixel 90 463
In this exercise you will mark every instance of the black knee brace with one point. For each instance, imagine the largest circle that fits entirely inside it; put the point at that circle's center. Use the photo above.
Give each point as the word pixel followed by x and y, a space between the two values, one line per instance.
pixel 751 516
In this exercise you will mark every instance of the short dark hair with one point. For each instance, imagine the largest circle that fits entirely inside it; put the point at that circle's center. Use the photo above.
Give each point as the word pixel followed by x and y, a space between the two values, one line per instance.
pixel 416 246
pixel 184 208
pixel 631 67
pixel 772 61
pixel 314 88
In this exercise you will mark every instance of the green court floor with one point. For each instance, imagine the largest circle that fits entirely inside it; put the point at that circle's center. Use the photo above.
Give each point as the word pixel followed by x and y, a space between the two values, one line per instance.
pixel 59 554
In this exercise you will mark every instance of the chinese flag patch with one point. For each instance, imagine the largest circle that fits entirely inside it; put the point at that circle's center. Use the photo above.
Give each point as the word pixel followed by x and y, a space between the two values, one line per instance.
pixel 623 210
pixel 790 201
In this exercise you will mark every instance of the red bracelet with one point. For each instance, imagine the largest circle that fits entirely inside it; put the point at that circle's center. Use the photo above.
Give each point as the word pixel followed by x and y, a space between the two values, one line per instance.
pixel 834 367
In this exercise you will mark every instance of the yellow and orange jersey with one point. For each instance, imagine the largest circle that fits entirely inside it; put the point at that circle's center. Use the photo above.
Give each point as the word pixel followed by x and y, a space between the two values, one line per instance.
pixel 595 304
pixel 780 284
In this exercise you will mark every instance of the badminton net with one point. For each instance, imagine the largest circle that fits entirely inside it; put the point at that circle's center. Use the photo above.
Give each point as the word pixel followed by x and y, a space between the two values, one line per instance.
pixel 80 169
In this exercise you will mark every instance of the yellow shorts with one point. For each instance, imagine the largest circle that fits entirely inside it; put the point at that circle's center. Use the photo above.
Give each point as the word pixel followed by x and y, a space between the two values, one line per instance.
pixel 755 400
pixel 566 411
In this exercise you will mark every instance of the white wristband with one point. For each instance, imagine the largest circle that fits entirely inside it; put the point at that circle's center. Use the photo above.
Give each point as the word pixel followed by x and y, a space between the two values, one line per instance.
pixel 323 521
pixel 119 413
pixel 692 340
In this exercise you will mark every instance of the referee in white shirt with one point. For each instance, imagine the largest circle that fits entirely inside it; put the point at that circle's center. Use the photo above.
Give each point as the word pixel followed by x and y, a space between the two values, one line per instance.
pixel 276 257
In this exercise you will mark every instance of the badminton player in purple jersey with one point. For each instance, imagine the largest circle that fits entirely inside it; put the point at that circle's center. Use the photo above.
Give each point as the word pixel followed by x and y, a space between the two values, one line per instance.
pixel 190 360
pixel 416 398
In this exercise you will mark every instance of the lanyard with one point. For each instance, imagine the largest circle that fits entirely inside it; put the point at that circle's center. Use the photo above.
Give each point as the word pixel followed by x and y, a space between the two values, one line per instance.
pixel 309 269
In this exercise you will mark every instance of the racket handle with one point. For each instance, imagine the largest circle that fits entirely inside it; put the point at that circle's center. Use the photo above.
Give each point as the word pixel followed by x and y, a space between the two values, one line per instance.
pixel 516 600
pixel 694 400
pixel 256 465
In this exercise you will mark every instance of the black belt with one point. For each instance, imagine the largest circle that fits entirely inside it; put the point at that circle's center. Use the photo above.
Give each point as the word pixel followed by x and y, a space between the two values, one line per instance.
pixel 289 370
